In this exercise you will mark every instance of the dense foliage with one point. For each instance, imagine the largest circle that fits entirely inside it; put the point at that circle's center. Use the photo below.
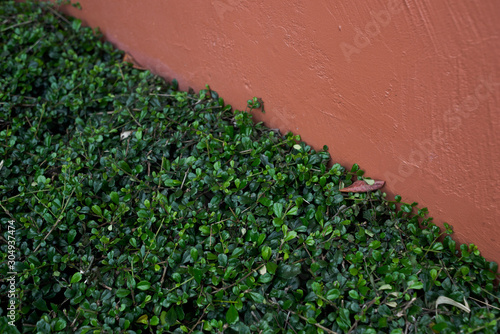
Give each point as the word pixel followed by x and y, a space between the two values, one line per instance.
pixel 139 208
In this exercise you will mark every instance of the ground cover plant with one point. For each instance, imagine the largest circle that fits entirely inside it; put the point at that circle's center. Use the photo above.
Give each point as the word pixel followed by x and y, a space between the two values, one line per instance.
pixel 129 206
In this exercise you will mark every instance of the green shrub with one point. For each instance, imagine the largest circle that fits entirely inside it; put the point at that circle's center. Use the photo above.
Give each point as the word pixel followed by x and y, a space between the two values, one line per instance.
pixel 133 207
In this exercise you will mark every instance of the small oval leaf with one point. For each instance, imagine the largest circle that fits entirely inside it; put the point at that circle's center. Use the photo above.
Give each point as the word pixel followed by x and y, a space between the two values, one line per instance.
pixel 143 285
pixel 77 277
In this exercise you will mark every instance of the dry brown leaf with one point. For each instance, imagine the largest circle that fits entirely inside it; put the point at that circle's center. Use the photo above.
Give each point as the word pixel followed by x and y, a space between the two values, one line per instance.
pixel 129 59
pixel 361 186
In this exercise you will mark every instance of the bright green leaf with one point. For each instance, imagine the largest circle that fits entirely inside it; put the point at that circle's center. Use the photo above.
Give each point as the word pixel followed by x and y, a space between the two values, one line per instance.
pixel 143 285
pixel 266 253
pixel 278 210
pixel 97 210
pixel 77 277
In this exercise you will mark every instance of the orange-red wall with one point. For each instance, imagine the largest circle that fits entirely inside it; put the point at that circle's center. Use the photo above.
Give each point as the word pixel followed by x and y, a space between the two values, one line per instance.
pixel 409 89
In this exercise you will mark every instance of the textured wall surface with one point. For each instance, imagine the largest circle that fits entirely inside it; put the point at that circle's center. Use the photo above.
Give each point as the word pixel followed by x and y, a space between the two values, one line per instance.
pixel 408 89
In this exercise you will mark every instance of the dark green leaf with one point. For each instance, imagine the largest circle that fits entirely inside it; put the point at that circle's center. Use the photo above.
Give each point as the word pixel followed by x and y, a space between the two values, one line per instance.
pixel 232 315
pixel 288 271
pixel 41 305
pixel 120 293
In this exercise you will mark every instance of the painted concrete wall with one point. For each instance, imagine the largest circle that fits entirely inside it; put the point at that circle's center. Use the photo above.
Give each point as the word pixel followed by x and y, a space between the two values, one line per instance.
pixel 408 89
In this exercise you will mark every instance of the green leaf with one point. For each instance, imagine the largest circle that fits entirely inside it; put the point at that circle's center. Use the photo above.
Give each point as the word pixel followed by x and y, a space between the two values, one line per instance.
pixel 41 326
pixel 115 197
pixel 293 211
pixel 172 183
pixel 438 327
pixel 377 255
pixel 288 271
pixel 138 134
pixel 369 181
pixel 261 239
pixel 256 297
pixel 120 293
pixel 77 277
pixel 434 274
pixel 143 285
pixel 71 236
pixel 353 294
pixel 194 254
pixel 271 267
pixel 416 285
pixel 76 24
pixel 266 253
pixel 278 210
pixel 163 317
pixel 198 274
pixel 205 230
pixel 265 201
pixel 60 325
pixel 290 235
pixel 133 242
pixel 143 319
pixel 232 316
pixel 41 305
pixel 493 266
pixel 124 165
pixel 154 321
pixel 385 287
pixel 418 250
pixel 343 320
pixel 333 294
pixel 437 247
pixel 97 210
pixel 143 214
pixel 41 179
pixel 322 181
pixel 222 259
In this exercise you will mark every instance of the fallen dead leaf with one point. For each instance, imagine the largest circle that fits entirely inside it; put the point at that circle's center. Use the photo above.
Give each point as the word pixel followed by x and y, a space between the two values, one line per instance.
pixel 129 59
pixel 361 186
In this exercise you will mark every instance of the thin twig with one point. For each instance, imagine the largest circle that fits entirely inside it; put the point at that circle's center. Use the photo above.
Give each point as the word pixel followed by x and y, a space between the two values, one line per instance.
pixel 365 307
pixel 59 15
pixel 488 305
pixel 304 318
pixel 135 120
pixel 241 279
pixel 401 313
pixel 17 25
pixel 184 179
pixel 163 276
pixel 57 222
pixel 197 322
